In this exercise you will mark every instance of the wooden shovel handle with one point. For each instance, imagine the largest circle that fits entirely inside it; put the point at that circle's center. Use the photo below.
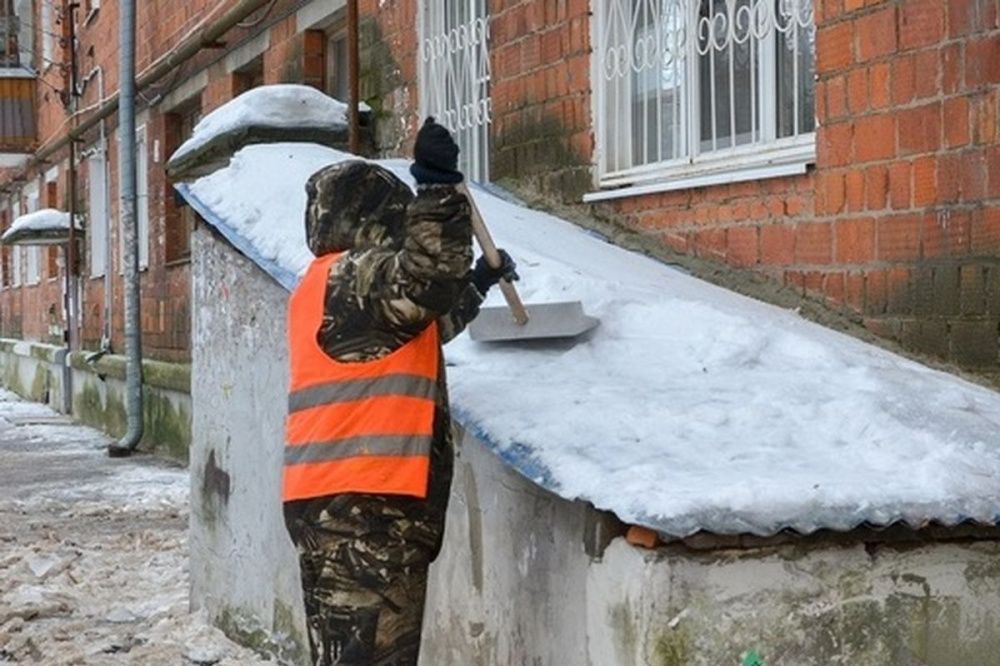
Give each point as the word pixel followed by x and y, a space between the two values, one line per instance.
pixel 493 258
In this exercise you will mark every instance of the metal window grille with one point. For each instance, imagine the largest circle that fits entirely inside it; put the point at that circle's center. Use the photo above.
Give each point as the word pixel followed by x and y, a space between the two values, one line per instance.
pixel 688 85
pixel 455 76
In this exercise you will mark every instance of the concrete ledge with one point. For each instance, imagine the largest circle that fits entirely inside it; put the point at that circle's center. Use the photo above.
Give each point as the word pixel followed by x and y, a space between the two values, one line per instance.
pixel 155 374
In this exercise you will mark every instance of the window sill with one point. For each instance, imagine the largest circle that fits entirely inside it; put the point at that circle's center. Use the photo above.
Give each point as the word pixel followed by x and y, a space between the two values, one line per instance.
pixel 181 261
pixel 742 165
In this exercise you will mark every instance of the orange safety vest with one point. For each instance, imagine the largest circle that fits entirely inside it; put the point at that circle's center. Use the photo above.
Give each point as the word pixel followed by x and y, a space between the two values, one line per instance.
pixel 355 427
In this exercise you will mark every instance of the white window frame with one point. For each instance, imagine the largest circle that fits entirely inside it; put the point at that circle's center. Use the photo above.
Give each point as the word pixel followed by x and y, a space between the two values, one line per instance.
pixel 454 76
pixel 48 35
pixel 616 62
pixel 141 203
pixel 33 262
pixel 97 208
pixel 17 256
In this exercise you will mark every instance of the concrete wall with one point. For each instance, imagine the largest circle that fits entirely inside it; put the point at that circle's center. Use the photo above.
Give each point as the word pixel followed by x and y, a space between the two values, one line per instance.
pixel 243 566
pixel 42 372
pixel 34 371
pixel 526 577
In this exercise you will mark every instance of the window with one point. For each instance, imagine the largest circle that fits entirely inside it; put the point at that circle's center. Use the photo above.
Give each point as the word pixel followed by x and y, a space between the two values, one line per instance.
pixel 49 34
pixel 33 268
pixel 181 218
pixel 17 250
pixel 337 84
pixel 141 201
pixel 6 253
pixel 455 76
pixel 248 77
pixel 688 87
pixel 10 55
pixel 97 202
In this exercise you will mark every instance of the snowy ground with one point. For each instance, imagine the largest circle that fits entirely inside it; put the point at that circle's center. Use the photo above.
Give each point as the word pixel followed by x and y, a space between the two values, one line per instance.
pixel 93 552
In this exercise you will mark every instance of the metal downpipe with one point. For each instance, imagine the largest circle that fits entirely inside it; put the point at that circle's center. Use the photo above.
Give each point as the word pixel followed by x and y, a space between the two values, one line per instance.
pixel 129 220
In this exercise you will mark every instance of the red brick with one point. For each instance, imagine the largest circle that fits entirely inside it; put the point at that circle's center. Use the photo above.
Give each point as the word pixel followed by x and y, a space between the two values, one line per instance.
pixel 835 142
pixel 973 176
pixel 993 166
pixel 642 537
pixel 949 176
pixel 854 291
pixel 946 234
pixel 834 47
pixel 956 122
pixel 875 138
pixel 813 243
pixel 857 90
pixel 983 122
pixel 777 244
pixel 877 187
pixel 855 241
pixel 952 68
pixel 899 238
pixel 711 243
pixel 879 89
pixel 875 291
pixel 813 281
pixel 921 23
pixel 904 79
pixel 853 5
pixel 986 231
pixel 928 82
pixel 836 97
pixel 832 194
pixel 876 34
pixel 920 129
pixel 924 181
pixel 854 186
pixel 833 287
pixel 741 246
pixel 966 17
pixel 982 61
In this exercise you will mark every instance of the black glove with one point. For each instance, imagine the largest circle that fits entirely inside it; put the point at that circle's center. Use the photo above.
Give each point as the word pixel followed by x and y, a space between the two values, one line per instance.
pixel 485 276
pixel 435 156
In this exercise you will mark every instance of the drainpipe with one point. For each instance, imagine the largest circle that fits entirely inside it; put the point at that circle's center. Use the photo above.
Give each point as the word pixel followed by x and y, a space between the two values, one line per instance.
pixel 353 67
pixel 127 188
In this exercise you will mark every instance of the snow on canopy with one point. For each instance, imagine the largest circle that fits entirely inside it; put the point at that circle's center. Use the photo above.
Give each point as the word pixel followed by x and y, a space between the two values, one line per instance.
pixel 266 114
pixel 46 224
pixel 691 407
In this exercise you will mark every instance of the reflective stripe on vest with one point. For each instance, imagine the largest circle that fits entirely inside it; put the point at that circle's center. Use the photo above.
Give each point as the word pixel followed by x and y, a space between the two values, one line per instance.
pixel 355 427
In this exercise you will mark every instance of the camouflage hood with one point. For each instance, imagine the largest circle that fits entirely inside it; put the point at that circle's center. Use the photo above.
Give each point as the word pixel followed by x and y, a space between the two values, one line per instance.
pixel 354 204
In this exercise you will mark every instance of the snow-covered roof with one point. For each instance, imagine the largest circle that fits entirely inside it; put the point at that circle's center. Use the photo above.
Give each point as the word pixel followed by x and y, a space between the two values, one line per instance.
pixel 691 407
pixel 45 226
pixel 281 112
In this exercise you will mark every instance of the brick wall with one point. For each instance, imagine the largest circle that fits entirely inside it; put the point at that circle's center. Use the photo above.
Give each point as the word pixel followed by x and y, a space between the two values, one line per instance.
pixel 540 86
pixel 898 224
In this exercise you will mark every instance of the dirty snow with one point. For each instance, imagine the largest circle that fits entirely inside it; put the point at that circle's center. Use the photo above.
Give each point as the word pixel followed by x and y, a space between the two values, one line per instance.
pixel 47 219
pixel 283 106
pixel 690 408
pixel 93 563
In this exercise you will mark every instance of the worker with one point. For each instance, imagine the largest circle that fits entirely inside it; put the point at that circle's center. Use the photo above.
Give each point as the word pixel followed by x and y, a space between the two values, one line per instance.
pixel 369 455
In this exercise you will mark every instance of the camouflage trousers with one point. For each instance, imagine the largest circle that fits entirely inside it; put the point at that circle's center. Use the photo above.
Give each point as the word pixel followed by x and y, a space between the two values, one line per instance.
pixel 364 561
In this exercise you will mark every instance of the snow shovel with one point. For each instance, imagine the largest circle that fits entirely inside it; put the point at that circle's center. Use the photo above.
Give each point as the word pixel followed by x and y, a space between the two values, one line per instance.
pixel 517 321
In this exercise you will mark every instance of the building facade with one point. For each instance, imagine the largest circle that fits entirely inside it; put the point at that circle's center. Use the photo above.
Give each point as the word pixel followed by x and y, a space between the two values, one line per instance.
pixel 847 150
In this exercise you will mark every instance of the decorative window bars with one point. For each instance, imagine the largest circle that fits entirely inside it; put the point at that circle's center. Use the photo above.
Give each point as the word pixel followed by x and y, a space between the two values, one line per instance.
pixel 455 76
pixel 688 87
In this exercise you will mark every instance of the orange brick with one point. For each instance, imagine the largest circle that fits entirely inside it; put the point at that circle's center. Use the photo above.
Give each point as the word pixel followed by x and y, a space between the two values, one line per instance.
pixel 877 187
pixel 899 238
pixel 982 63
pixel 832 194
pixel 956 122
pixel 741 246
pixel 854 291
pixel 855 241
pixel 875 138
pixel 875 291
pixel 834 47
pixel 854 185
pixel 921 23
pixel 924 181
pixel 904 79
pixel 876 34
pixel 835 145
pixel 946 234
pixel 879 90
pixel 836 97
pixel 642 537
pixel 813 243
pixel 952 68
pixel 777 244
pixel 857 90
pixel 986 231
pixel 920 129
pixel 833 287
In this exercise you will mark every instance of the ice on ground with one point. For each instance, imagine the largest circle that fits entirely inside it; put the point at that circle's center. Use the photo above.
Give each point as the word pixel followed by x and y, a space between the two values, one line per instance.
pixel 691 407
pixel 46 219
pixel 93 554
pixel 281 106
